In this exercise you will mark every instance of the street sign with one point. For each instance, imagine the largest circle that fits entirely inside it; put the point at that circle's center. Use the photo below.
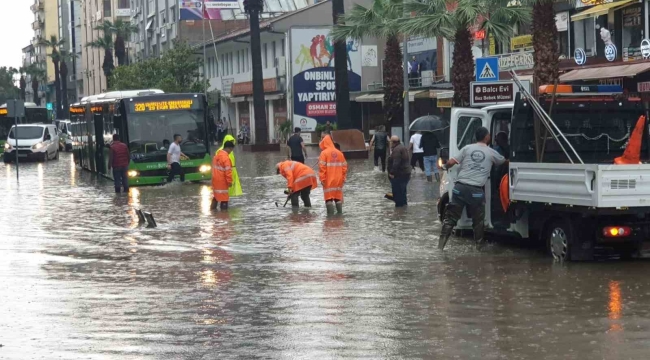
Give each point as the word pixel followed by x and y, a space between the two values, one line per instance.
pixel 496 92
pixel 487 69
pixel 15 108
pixel 49 106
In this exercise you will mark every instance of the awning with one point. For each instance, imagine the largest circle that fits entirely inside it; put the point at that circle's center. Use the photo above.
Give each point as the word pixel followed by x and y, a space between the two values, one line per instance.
pixel 274 97
pixel 440 94
pixel 414 94
pixel 605 72
pixel 238 99
pixel 149 24
pixel 600 10
pixel 370 98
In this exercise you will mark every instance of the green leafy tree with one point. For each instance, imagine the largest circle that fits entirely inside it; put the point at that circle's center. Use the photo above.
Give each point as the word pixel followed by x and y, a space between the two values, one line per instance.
pixel 8 89
pixel 37 74
pixel 381 20
pixel 453 19
pixel 108 65
pixel 176 71
pixel 122 30
pixel 65 58
pixel 546 55
pixel 23 82
pixel 55 55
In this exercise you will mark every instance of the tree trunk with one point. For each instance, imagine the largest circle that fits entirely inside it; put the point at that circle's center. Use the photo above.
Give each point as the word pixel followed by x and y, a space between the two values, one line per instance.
pixel 65 114
pixel 35 90
pixel 57 88
pixel 341 70
pixel 120 51
pixel 462 71
pixel 393 83
pixel 23 88
pixel 261 122
pixel 546 53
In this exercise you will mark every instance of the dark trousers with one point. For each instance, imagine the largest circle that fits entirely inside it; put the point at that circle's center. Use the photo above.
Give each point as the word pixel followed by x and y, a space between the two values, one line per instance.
pixel 304 195
pixel 472 198
pixel 120 179
pixel 176 170
pixel 380 154
pixel 299 158
pixel 399 185
pixel 417 158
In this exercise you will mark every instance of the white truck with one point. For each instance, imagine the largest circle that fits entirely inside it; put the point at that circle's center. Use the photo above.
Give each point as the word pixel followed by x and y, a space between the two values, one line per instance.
pixel 576 209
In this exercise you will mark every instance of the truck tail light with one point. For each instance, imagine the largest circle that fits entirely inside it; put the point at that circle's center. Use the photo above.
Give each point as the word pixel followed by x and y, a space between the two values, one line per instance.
pixel 617 231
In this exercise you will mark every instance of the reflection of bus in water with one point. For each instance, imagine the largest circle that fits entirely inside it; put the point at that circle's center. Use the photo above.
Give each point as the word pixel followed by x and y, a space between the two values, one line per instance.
pixel 146 121
pixel 33 115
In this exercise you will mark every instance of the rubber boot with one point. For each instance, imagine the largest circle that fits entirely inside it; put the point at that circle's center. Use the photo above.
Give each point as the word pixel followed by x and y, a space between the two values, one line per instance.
pixel 214 204
pixel 445 233
pixel 224 205
pixel 437 177
pixel 331 208
pixel 339 207
pixel 429 178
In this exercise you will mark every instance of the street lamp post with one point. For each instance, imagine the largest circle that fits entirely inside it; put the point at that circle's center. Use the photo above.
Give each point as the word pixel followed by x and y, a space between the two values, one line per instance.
pixel 341 73
pixel 254 8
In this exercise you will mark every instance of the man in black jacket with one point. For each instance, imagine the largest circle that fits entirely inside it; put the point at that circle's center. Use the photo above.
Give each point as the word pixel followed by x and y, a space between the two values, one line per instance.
pixel 399 171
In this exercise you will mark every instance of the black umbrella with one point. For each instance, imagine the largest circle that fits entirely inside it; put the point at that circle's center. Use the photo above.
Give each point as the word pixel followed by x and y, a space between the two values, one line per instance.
pixel 428 123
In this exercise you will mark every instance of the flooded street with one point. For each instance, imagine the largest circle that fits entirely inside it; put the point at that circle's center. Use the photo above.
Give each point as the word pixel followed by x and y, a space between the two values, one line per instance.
pixel 79 279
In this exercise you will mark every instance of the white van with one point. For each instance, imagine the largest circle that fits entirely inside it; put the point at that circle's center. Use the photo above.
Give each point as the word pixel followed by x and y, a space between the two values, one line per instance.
pixel 35 142
pixel 65 135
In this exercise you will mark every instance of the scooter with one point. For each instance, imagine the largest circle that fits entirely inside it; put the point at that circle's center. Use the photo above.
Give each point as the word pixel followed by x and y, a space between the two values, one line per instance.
pixel 243 138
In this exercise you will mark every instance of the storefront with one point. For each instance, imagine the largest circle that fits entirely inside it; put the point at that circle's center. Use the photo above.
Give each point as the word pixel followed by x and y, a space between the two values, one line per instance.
pixel 275 105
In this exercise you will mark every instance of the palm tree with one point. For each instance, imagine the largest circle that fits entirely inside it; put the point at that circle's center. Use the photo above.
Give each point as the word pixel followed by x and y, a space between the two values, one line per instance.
pixel 452 19
pixel 65 57
pixel 23 83
pixel 546 53
pixel 380 20
pixel 37 74
pixel 122 30
pixel 55 44
pixel 108 65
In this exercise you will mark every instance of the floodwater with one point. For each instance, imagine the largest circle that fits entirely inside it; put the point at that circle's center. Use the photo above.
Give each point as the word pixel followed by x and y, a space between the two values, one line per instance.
pixel 79 279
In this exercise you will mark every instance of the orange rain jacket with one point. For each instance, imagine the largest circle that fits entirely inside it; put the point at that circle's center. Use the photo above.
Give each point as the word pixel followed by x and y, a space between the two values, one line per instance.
pixel 333 170
pixel 299 176
pixel 221 175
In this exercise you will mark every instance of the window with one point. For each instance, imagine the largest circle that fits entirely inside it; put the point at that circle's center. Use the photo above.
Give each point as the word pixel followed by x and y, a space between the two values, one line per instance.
pixel 216 66
pixel 123 4
pixel 107 8
pixel 238 62
pixel 467 126
pixel 172 13
pixel 273 53
pixel 231 64
pixel 265 57
pixel 584 34
pixel 632 32
pixel 163 18
pixel 223 65
pixel 247 61
pixel 282 49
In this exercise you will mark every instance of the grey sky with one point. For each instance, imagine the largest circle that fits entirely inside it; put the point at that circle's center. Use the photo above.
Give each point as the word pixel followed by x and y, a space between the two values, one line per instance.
pixel 15 30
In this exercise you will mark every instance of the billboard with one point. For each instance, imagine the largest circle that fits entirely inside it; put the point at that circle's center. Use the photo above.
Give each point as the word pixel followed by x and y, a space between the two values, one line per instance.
pixel 313 79
pixel 204 9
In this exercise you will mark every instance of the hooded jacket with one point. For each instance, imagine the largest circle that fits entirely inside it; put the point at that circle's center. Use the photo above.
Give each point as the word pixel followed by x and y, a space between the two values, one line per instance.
pixel 333 170
pixel 221 175
pixel 235 189
pixel 298 175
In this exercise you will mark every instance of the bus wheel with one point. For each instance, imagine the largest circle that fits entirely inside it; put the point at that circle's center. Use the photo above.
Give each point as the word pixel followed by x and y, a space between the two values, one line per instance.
pixel 559 238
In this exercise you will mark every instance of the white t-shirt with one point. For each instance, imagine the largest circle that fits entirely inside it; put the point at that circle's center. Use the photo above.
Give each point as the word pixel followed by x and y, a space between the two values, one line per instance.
pixel 415 140
pixel 175 151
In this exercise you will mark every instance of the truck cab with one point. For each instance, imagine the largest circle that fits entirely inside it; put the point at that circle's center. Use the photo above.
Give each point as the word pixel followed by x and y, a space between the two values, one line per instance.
pixel 579 209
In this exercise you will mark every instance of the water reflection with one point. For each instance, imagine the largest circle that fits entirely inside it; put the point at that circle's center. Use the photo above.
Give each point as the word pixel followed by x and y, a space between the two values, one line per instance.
pixel 615 305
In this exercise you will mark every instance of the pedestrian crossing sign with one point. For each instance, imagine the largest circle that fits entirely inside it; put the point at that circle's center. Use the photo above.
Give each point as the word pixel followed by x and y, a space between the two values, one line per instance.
pixel 487 69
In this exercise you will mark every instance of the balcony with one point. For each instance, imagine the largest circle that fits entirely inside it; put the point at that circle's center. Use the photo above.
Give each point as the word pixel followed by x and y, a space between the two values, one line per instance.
pixel 38 24
pixel 38 5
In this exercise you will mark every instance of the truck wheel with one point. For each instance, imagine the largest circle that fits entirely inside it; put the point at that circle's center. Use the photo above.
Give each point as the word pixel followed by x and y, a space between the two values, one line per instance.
pixel 559 238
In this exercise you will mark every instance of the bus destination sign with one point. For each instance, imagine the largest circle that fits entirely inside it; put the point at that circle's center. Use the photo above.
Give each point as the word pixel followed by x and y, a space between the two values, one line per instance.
pixel 77 110
pixel 166 105
pixel 3 112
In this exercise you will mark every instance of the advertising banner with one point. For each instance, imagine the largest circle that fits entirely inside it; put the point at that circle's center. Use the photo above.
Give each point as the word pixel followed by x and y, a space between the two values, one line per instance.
pixel 312 71
pixel 204 9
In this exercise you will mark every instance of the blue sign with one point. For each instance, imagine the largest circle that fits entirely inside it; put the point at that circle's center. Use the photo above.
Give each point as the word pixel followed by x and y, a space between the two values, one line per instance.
pixel 49 106
pixel 487 69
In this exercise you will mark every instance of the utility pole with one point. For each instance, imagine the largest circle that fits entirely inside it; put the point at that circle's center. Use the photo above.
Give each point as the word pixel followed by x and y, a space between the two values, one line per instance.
pixel 341 73
pixel 405 57
pixel 254 8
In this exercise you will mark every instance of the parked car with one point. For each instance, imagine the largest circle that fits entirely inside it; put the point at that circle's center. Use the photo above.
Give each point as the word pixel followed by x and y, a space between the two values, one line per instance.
pixel 65 135
pixel 34 142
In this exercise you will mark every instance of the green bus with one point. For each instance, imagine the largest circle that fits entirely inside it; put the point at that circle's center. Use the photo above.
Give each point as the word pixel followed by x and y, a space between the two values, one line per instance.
pixel 33 115
pixel 146 121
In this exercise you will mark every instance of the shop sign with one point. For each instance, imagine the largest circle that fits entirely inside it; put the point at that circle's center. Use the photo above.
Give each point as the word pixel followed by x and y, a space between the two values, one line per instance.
pixel 445 103
pixel 226 86
pixel 580 56
pixel 611 81
pixel 562 21
pixel 632 16
pixel 585 3
pixel 521 42
pixel 610 52
pixel 643 86
pixel 645 48
pixel 516 61
pixel 496 92
pixel 631 53
pixel 246 88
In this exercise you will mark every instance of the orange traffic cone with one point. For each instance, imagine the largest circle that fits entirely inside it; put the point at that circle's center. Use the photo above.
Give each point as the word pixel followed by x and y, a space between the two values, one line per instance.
pixel 632 154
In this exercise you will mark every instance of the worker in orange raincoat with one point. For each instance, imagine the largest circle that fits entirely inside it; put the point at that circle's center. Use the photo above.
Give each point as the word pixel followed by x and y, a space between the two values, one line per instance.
pixel 301 179
pixel 333 170
pixel 222 176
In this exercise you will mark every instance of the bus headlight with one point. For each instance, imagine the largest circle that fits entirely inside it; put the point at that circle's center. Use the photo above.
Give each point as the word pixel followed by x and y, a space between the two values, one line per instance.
pixel 133 173
pixel 205 168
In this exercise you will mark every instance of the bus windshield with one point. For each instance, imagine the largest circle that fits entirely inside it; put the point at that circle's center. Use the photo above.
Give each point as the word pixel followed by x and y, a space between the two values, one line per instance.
pixel 151 133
